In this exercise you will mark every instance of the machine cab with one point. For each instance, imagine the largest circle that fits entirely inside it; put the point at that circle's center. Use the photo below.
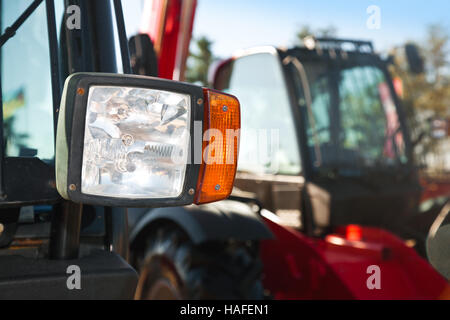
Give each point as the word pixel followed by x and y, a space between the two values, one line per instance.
pixel 324 141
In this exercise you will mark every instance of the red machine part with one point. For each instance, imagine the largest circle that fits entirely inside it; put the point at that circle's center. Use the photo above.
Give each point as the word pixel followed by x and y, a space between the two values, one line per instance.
pixel 336 267
pixel 169 24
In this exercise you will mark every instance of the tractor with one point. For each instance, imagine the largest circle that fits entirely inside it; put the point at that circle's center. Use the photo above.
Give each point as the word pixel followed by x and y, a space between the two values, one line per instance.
pixel 336 167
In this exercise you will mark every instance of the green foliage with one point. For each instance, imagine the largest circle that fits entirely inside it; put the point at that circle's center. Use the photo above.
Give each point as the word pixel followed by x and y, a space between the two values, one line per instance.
pixel 429 91
pixel 199 62
pixel 427 95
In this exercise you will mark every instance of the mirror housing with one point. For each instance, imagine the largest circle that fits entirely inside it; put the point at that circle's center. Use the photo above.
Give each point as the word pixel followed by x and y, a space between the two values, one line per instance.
pixel 132 141
pixel 144 60
pixel 415 60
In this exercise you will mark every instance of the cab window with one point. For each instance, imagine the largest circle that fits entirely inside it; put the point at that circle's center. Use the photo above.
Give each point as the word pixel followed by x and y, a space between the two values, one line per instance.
pixel 268 141
pixel 26 83
pixel 353 122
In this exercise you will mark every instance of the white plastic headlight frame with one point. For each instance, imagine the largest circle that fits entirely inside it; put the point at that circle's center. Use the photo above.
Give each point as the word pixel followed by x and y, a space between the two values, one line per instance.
pixel 71 135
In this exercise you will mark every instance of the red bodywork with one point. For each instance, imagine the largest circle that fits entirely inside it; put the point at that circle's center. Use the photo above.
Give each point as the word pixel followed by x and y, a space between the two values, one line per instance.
pixel 169 24
pixel 301 267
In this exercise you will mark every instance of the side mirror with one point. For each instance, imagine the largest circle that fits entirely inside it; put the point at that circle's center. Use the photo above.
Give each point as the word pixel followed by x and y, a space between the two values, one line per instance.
pixel 136 141
pixel 415 61
pixel 143 57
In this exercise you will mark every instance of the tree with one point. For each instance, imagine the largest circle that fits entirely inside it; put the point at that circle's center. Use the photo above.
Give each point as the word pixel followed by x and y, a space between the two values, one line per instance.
pixel 437 51
pixel 426 96
pixel 199 62
pixel 429 91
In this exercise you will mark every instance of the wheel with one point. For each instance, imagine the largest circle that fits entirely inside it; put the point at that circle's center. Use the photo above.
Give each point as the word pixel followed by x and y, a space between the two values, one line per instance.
pixel 172 267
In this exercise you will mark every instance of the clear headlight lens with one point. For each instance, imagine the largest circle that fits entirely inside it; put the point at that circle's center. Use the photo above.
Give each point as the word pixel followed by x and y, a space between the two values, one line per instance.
pixel 136 142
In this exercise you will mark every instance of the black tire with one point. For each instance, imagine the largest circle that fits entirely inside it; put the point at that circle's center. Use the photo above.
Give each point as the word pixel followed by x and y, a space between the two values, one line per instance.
pixel 172 267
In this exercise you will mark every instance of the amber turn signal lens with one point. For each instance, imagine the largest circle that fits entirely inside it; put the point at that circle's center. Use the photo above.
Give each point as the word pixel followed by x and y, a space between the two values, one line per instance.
pixel 221 134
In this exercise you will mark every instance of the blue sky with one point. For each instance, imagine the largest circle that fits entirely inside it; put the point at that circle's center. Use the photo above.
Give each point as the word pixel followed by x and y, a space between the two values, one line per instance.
pixel 236 24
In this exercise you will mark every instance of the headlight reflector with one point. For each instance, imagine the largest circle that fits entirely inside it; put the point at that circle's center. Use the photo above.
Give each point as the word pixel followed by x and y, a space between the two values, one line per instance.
pixel 136 142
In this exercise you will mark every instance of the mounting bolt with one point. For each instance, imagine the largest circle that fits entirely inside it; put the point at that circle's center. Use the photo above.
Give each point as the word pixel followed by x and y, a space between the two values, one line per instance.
pixel 191 192
pixel 200 101
pixel 225 108
pixel 72 187
pixel 2 228
pixel 217 187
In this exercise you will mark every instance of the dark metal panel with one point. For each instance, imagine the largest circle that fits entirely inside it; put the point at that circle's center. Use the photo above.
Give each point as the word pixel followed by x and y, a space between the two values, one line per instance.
pixel 8 227
pixel 32 175
pixel 104 276
pixel 116 224
pixel 65 233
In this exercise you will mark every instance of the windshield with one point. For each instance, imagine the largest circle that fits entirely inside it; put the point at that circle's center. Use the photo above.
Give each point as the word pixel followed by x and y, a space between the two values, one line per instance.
pixel 351 122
